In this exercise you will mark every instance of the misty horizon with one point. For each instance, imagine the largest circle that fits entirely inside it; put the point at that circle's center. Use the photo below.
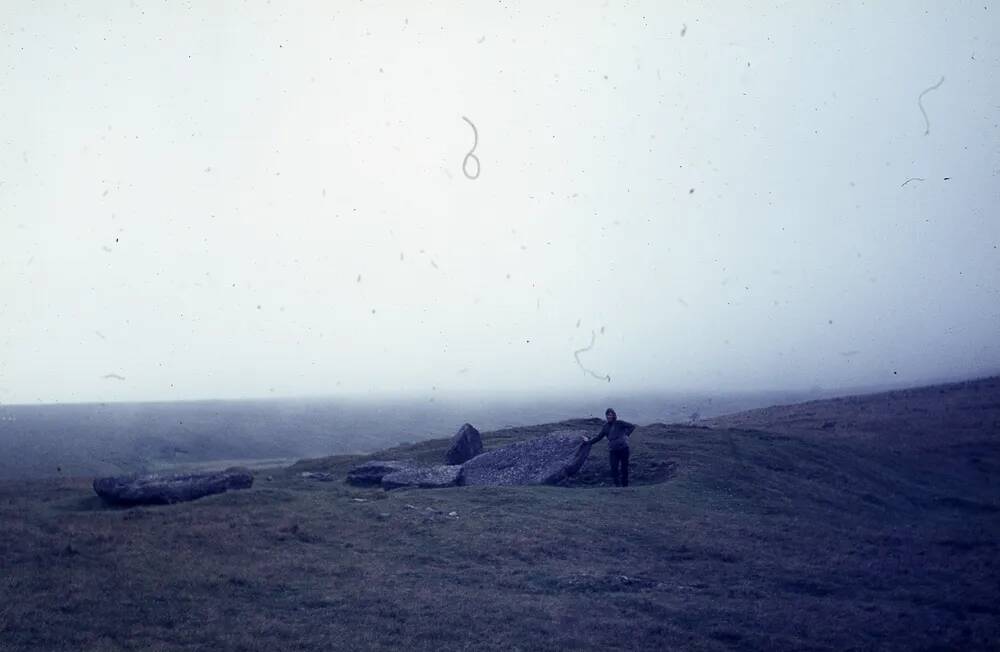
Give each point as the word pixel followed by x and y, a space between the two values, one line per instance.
pixel 756 397
pixel 389 201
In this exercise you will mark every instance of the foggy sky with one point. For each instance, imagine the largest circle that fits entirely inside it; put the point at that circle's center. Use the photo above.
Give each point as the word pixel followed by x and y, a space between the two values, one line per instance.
pixel 243 199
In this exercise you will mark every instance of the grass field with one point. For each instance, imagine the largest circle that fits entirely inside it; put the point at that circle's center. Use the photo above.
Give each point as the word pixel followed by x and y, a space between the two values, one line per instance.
pixel 729 539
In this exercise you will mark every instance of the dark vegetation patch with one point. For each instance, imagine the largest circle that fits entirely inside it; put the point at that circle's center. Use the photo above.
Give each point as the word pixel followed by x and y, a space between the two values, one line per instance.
pixel 966 546
pixel 806 587
pixel 964 505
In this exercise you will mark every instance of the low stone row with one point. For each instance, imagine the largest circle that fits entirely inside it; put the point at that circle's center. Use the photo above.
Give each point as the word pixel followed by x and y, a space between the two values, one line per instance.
pixel 544 460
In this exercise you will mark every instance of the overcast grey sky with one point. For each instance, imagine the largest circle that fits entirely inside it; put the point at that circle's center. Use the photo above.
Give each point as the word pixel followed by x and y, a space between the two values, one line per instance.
pixel 248 199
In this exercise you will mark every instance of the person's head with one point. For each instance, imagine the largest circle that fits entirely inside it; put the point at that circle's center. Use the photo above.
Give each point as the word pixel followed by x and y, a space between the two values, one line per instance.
pixel 610 415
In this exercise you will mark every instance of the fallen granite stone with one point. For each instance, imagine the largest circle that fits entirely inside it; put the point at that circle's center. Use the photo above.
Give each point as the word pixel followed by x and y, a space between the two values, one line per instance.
pixel 315 475
pixel 427 477
pixel 545 460
pixel 370 473
pixel 465 445
pixel 167 489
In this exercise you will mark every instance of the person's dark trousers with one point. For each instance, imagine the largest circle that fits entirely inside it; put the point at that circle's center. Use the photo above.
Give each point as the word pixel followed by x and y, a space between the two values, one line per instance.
pixel 619 466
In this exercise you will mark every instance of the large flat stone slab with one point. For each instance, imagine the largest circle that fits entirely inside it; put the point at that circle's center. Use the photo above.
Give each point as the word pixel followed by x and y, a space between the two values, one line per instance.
pixel 545 460
pixel 370 474
pixel 166 489
pixel 427 477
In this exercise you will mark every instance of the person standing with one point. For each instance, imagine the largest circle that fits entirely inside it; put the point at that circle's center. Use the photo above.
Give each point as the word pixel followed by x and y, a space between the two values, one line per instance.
pixel 617 432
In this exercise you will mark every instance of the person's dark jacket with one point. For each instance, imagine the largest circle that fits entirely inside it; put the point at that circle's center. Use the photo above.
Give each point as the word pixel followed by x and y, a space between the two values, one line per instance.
pixel 617 433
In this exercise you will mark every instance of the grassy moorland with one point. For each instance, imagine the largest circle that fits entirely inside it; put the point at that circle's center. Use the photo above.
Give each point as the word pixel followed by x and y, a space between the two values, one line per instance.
pixel 732 537
pixel 87 439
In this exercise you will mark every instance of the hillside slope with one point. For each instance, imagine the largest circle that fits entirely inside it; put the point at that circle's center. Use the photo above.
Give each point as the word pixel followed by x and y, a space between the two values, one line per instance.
pixel 730 538
pixel 922 416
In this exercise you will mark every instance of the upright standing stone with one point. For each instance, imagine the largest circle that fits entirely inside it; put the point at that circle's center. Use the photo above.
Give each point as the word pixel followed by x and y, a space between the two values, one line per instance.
pixel 465 445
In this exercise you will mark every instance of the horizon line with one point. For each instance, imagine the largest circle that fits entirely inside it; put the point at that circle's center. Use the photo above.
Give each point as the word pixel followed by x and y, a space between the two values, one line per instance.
pixel 510 395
